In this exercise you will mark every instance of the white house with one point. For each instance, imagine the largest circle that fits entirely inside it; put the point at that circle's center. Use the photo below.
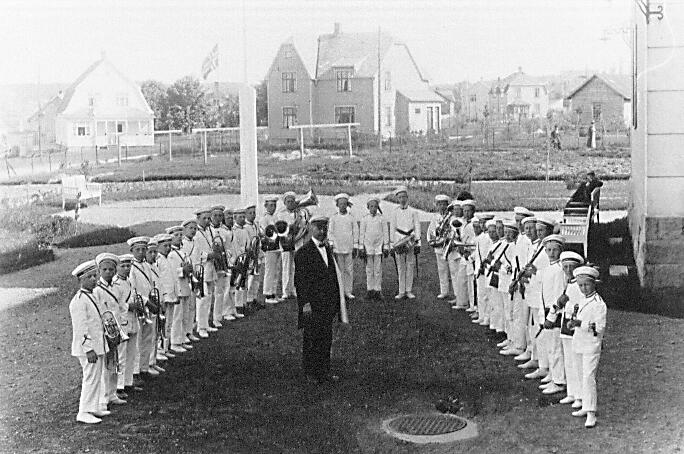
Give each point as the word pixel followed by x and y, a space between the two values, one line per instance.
pixel 102 107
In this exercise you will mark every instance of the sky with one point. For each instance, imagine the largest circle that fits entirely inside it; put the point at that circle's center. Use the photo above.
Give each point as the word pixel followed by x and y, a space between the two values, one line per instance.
pixel 452 40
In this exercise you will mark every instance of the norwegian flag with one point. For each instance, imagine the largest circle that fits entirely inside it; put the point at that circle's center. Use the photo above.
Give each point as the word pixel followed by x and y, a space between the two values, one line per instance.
pixel 210 62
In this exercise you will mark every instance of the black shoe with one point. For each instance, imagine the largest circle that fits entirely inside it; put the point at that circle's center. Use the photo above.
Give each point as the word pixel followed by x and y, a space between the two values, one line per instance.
pixel 240 310
pixel 121 394
pixel 370 295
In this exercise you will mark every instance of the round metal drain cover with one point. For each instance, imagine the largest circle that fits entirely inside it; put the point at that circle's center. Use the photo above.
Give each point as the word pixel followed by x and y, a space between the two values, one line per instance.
pixel 431 428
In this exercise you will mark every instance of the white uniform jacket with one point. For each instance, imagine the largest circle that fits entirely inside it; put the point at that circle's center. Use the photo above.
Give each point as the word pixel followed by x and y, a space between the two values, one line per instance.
pixel 241 239
pixel 507 265
pixel 176 259
pixel 553 282
pixel 533 291
pixel 86 324
pixel 343 233
pixel 408 221
pixel 483 244
pixel 227 237
pixel 124 293
pixel 435 220
pixel 575 296
pixel 105 295
pixel 373 234
pixel 141 279
pixel 204 244
pixel 592 310
pixel 167 279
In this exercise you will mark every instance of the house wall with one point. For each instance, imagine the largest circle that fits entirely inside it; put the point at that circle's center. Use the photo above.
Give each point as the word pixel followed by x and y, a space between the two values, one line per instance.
pixel 473 109
pixel 527 94
pixel 46 125
pixel 401 113
pixel 612 103
pixel 288 60
pixel 361 97
pixel 656 211
pixel 418 116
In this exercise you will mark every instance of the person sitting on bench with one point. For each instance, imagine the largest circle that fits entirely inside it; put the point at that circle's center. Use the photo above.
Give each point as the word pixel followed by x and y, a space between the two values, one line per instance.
pixel 582 196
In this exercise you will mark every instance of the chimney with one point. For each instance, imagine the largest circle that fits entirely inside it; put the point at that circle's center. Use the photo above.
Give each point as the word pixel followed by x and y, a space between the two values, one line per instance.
pixel 60 94
pixel 519 69
pixel 337 29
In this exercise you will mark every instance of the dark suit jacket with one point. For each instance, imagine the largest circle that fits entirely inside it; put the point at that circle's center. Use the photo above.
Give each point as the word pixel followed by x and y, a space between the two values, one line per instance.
pixel 316 284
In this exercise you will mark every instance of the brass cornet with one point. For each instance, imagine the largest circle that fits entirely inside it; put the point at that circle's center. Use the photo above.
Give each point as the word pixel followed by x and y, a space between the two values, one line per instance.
pixel 114 335
pixel 198 280
pixel 221 258
pixel 141 309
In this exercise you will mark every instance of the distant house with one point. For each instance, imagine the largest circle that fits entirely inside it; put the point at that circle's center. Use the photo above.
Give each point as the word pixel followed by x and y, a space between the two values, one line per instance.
pixel 519 96
pixel 101 107
pixel 602 99
pixel 336 80
pixel 474 99
pixel 449 103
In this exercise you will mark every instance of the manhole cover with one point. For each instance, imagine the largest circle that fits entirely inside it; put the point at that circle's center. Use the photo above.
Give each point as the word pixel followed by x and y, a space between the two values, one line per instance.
pixel 432 428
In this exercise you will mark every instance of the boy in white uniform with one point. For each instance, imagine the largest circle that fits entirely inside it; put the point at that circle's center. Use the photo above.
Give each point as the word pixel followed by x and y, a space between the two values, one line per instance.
pixel 590 326
pixel 405 222
pixel 272 259
pixel 204 244
pixel 496 251
pixel 374 240
pixel 483 244
pixel 254 281
pixel 288 215
pixel 467 260
pixel 167 288
pixel 241 241
pixel 182 272
pixel 129 320
pixel 142 283
pixel 222 287
pixel 193 255
pixel 88 343
pixel 343 235
pixel 437 241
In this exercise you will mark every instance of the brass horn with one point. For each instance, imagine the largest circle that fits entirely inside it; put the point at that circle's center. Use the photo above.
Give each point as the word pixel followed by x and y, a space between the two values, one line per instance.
pixel 308 200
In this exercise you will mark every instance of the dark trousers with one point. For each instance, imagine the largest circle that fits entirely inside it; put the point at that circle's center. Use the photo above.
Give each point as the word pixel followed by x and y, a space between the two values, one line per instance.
pixel 317 342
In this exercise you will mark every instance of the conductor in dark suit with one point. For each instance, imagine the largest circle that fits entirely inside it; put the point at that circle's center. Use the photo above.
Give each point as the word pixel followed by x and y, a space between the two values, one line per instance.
pixel 318 298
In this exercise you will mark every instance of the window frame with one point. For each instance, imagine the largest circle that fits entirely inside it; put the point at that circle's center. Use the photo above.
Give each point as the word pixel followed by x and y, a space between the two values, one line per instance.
pixel 285 118
pixel 593 111
pixel 388 81
pixel 337 116
pixel 342 75
pixel 287 84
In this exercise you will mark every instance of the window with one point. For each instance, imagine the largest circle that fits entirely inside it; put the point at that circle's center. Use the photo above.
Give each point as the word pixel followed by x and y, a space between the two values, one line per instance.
pixel 388 81
pixel 120 127
pixel 344 114
pixel 122 100
pixel 288 53
pixel 388 115
pixel 596 111
pixel 289 82
pixel 417 110
pixel 91 101
pixel 473 98
pixel 343 77
pixel 537 109
pixel 289 117
pixel 81 129
pixel 537 92
pixel 518 92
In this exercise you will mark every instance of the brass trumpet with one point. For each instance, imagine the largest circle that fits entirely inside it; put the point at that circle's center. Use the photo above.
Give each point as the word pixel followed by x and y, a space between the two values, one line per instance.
pixel 221 258
pixel 154 301
pixel 114 336
pixel 198 280
pixel 270 238
pixel 141 309
pixel 238 278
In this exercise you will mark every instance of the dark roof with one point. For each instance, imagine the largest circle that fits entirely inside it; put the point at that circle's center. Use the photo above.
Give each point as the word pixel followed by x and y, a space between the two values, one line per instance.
pixel 619 84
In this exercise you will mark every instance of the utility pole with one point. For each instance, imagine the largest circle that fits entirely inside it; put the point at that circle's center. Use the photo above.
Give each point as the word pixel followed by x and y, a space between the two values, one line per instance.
pixel 379 96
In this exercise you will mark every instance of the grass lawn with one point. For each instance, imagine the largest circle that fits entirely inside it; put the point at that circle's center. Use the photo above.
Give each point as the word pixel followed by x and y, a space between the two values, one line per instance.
pixel 241 390
pixel 458 164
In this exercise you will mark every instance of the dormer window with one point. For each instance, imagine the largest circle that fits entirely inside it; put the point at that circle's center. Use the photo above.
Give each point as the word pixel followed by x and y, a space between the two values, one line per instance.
pixel 343 77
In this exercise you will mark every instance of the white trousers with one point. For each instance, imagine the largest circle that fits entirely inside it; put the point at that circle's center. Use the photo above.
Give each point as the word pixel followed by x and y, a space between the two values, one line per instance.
pixel 507 313
pixel 519 322
pixel 147 338
pixel 108 388
pixel 406 264
pixel 272 272
pixel 170 312
pixel 539 343
pixel 496 309
pixel 346 264
pixel 221 287
pixel 555 353
pixel 571 377
pixel 459 279
pixel 374 272
pixel 442 272
pixel 228 299
pixel 127 352
pixel 203 306
pixel 483 309
pixel 470 288
pixel 288 269
pixel 586 365
pixel 91 384
pixel 189 314
pixel 177 335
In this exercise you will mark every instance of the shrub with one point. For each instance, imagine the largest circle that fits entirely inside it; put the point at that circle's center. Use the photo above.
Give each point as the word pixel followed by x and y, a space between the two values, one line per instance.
pixel 26 256
pixel 91 235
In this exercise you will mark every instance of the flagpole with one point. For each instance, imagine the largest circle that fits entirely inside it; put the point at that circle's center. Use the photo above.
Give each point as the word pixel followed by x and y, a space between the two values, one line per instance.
pixel 249 174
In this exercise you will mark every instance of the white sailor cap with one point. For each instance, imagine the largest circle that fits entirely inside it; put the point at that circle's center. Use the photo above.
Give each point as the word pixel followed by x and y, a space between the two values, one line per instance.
pixel 499 220
pixel 400 189
pixel 485 216
pixel 546 221
pixel 522 211
pixel 202 210
pixel 126 258
pixel 162 238
pixel 220 208
pixel 173 229
pixel 470 202
pixel 586 271
pixel 456 203
pixel 249 205
pixel 106 256
pixel 152 244
pixel 527 219
pixel 138 239
pixel 442 198
pixel 271 198
pixel 319 218
pixel 571 256
pixel 187 222
pixel 554 238
pixel 476 219
pixel 239 211
pixel 510 224
pixel 341 195
pixel 373 199
pixel 289 194
pixel 490 223
pixel 84 268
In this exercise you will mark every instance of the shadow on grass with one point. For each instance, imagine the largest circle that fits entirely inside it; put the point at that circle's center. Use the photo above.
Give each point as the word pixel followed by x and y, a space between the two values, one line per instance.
pixel 25 256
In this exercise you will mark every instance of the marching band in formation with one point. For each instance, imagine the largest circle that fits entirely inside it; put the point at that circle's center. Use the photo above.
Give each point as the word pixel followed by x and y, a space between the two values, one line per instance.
pixel 135 311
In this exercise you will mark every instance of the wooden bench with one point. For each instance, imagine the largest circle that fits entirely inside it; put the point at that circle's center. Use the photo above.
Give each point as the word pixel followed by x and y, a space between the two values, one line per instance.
pixel 75 187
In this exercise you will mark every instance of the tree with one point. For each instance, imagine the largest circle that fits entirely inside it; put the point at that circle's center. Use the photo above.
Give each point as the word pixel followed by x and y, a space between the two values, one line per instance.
pixel 262 103
pixel 223 112
pixel 187 104
pixel 154 93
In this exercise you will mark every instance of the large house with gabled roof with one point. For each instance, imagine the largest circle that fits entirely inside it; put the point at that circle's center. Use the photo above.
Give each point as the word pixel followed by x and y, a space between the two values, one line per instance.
pixel 518 96
pixel 602 98
pixel 101 107
pixel 336 80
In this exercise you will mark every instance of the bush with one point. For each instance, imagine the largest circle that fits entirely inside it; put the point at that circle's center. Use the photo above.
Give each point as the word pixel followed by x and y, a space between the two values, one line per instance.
pixel 91 235
pixel 26 256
